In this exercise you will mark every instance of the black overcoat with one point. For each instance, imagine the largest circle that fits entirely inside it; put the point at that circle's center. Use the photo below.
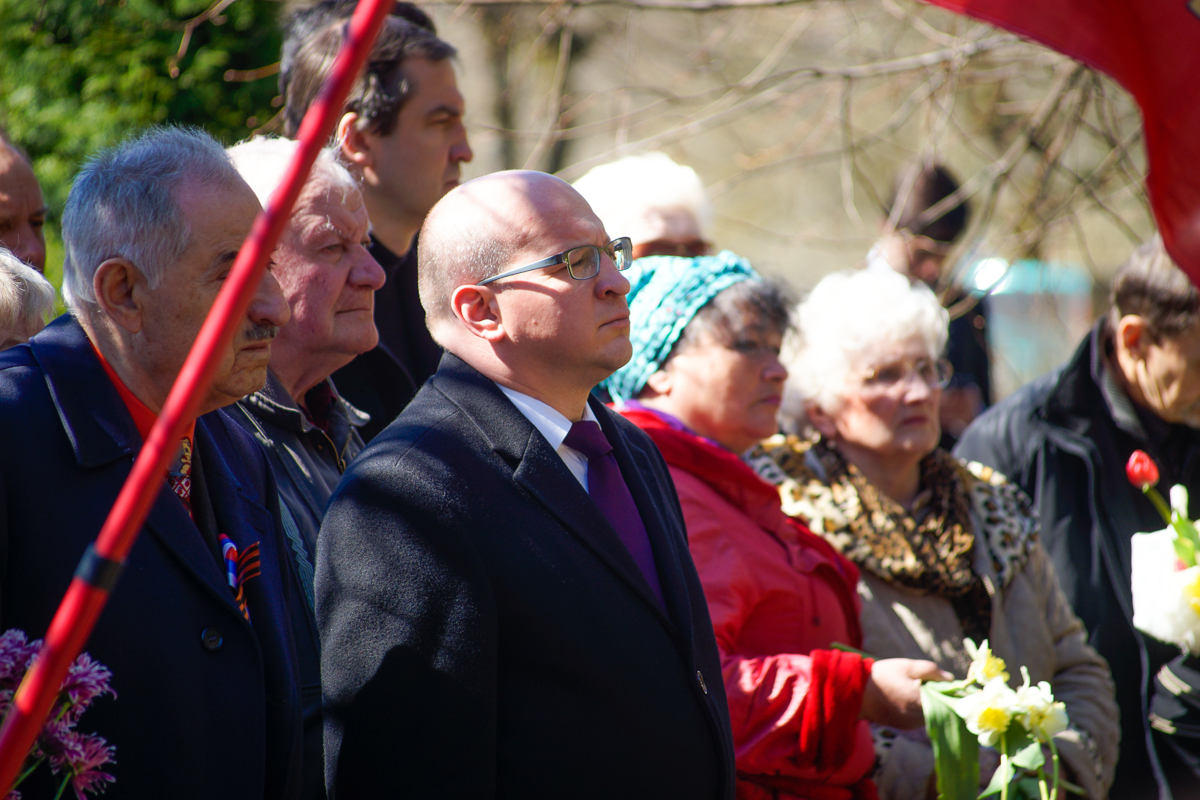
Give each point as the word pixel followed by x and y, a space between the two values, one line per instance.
pixel 485 633
pixel 208 704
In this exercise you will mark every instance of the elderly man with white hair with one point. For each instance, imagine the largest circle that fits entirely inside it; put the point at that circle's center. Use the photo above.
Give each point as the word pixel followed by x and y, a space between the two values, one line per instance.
pixel 661 206
pixel 947 551
pixel 309 431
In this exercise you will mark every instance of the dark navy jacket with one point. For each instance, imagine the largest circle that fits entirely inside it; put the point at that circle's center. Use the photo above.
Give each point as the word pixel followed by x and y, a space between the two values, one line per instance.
pixel 485 633
pixel 208 704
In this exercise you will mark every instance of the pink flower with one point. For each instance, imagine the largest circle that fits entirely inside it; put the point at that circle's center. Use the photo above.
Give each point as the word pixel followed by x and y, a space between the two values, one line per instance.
pixel 87 778
pixel 15 654
pixel 86 680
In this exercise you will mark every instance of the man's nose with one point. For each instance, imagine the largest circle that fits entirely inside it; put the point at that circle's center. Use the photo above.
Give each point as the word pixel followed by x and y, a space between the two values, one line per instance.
pixel 269 306
pixel 611 279
pixel 365 271
pixel 461 151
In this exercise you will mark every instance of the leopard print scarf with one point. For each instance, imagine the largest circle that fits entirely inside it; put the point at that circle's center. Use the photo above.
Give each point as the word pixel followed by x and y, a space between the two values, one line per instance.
pixel 934 555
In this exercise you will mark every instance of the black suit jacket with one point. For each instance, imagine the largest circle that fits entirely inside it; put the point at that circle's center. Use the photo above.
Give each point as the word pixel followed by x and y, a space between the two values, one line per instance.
pixel 486 634
pixel 191 720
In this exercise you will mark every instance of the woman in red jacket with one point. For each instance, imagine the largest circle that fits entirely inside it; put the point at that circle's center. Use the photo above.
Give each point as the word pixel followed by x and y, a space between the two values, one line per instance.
pixel 705 382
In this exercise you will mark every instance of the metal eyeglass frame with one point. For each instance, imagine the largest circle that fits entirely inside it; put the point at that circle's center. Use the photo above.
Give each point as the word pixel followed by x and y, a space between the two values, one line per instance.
pixel 622 244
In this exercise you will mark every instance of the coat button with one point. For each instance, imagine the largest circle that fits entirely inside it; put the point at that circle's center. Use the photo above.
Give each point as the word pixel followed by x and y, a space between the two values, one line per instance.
pixel 212 639
pixel 700 678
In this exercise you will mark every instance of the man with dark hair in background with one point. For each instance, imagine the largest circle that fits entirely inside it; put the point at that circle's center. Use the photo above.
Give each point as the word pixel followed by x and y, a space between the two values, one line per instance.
pixel 917 247
pixel 1133 384
pixel 402 132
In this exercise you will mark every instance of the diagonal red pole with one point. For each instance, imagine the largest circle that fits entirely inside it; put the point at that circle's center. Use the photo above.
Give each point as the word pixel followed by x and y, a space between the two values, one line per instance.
pixel 88 592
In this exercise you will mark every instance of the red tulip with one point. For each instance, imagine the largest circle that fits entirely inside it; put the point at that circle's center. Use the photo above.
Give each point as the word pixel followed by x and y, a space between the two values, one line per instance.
pixel 1142 471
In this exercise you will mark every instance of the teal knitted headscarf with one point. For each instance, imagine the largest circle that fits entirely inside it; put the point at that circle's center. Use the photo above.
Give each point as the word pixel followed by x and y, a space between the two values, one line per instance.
pixel 665 293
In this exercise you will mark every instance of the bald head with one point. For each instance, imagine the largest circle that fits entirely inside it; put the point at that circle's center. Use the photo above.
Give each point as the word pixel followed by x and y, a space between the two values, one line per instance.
pixel 483 227
pixel 22 211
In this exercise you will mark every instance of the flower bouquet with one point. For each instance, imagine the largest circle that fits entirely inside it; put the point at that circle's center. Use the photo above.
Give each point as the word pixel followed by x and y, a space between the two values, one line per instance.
pixel 984 710
pixel 75 755
pixel 1165 579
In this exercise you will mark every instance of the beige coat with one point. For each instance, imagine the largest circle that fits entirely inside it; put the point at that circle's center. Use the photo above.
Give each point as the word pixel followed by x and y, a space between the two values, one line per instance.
pixel 1032 625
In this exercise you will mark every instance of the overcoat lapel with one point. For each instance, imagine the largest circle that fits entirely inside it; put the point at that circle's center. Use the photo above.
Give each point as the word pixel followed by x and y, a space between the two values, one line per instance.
pixel 104 436
pixel 541 472
pixel 636 463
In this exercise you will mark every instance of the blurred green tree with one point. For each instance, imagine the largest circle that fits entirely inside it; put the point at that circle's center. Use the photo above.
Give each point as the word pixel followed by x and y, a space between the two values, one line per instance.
pixel 79 75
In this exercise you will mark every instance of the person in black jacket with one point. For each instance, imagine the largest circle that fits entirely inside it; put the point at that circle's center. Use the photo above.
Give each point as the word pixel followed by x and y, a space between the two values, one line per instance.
pixel 1133 384
pixel 506 601
pixel 196 632
pixel 402 131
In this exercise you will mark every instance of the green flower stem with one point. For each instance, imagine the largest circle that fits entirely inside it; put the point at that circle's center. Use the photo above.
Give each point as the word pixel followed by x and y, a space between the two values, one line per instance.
pixel 63 786
pixel 1054 760
pixel 1157 499
pixel 1003 767
pixel 26 773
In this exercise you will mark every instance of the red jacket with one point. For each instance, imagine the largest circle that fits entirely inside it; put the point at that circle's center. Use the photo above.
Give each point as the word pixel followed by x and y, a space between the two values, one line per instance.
pixel 779 596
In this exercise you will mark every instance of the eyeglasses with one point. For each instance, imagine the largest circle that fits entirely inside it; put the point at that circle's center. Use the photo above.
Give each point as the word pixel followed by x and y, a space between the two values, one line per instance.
pixel 934 374
pixel 583 263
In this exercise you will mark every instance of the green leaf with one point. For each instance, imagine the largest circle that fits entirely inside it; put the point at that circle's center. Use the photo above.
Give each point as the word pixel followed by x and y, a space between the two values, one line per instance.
pixel 1029 757
pixel 1003 774
pixel 1026 789
pixel 955 749
pixel 1187 540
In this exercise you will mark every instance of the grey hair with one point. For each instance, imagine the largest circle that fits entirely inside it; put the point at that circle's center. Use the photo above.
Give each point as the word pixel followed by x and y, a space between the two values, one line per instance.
pixel 850 316
pixel 123 204
pixel 263 161
pixel 762 305
pixel 26 298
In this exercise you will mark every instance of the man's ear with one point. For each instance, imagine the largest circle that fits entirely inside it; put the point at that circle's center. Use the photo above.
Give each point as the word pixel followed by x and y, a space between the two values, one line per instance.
pixel 478 311
pixel 356 147
pixel 1133 335
pixel 120 288
pixel 821 420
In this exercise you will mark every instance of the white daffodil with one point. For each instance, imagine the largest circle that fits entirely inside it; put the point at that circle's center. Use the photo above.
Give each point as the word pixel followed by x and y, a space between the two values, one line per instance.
pixel 1037 710
pixel 989 711
pixel 984 666
pixel 1179 500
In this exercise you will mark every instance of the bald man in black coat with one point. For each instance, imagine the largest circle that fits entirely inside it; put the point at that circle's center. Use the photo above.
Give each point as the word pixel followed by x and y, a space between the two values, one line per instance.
pixel 486 631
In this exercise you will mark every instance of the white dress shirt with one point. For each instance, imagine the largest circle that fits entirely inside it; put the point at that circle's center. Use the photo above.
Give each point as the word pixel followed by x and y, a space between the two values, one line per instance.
pixel 554 427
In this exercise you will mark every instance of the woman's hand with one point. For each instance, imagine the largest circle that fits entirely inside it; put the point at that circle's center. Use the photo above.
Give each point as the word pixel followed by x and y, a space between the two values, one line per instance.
pixel 893 692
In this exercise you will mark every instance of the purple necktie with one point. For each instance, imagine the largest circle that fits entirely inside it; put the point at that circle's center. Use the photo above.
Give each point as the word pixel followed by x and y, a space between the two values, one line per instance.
pixel 609 490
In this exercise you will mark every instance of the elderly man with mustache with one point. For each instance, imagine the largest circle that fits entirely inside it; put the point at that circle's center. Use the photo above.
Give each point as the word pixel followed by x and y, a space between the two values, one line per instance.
pixel 196 632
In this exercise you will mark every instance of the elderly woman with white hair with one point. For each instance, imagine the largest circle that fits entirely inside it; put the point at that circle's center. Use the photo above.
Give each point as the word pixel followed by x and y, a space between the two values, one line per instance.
pixel 26 299
pixel 660 205
pixel 704 383
pixel 947 551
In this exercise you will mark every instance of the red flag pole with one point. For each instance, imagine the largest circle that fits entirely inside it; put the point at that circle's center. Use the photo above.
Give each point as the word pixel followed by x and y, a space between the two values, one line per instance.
pixel 100 566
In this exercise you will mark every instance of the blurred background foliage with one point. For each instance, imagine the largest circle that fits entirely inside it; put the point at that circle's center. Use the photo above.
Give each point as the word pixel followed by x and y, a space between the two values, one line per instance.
pixel 79 75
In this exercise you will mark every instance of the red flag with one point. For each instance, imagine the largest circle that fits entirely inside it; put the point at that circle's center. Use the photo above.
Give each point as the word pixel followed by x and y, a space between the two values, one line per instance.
pixel 1152 48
